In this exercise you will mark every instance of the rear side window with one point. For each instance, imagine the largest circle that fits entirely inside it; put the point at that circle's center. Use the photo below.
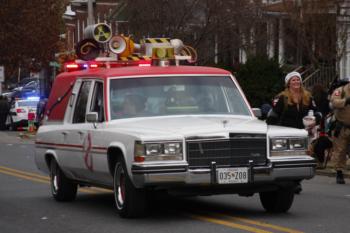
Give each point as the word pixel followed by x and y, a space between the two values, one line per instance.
pixel 80 106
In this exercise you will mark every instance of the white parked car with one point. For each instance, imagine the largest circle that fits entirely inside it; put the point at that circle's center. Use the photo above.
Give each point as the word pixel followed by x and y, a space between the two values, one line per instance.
pixel 21 112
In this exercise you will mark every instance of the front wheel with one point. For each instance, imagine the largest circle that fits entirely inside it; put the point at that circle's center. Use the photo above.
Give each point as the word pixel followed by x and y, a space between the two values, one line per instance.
pixel 278 201
pixel 130 201
pixel 62 188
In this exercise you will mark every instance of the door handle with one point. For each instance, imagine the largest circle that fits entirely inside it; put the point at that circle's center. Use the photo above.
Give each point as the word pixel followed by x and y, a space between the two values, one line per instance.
pixel 64 133
pixel 81 135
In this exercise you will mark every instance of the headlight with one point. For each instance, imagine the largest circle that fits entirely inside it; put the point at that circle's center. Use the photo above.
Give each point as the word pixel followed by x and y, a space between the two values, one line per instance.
pixel 288 146
pixel 158 151
pixel 297 143
pixel 279 144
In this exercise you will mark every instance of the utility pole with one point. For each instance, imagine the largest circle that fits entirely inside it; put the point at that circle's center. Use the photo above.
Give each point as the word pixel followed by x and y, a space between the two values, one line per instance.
pixel 90 19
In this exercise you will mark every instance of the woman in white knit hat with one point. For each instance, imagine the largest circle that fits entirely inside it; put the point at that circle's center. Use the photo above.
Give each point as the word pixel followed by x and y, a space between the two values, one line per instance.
pixel 292 105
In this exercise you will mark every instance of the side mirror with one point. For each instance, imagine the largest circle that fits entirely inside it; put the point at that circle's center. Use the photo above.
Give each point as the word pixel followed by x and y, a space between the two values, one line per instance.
pixel 257 112
pixel 92 117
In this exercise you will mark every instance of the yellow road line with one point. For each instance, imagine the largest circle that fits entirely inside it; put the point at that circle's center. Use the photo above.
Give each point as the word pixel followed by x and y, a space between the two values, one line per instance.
pixel 38 178
pixel 87 190
pixel 249 221
pixel 229 224
pixel 258 223
pixel 101 190
pixel 25 173
pixel 26 177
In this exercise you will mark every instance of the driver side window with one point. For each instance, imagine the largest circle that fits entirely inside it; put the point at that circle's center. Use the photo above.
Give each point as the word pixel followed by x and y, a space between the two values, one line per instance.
pixel 97 101
pixel 80 106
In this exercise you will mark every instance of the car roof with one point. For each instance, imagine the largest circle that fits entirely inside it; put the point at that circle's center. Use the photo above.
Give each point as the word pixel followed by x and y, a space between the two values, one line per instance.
pixel 147 71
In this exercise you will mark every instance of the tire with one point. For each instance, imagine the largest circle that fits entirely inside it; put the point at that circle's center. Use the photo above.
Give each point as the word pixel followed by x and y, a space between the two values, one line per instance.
pixel 130 201
pixel 278 201
pixel 62 188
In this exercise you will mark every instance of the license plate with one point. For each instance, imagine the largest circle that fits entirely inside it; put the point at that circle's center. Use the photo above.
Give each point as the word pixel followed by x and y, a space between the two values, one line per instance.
pixel 234 175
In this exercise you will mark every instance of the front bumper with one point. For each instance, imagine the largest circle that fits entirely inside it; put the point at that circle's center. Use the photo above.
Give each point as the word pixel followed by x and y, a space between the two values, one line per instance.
pixel 177 175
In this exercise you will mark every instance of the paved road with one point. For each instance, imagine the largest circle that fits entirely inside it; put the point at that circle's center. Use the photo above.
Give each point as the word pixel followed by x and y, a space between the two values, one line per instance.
pixel 26 206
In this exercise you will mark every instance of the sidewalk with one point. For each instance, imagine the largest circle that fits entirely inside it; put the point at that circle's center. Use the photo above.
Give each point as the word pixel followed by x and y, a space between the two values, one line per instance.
pixel 329 170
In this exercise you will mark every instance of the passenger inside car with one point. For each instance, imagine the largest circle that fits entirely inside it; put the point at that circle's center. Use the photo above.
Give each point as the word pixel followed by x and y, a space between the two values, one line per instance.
pixel 178 102
pixel 133 105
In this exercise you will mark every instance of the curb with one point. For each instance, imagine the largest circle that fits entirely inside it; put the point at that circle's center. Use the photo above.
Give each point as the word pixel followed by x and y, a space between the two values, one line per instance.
pixel 331 172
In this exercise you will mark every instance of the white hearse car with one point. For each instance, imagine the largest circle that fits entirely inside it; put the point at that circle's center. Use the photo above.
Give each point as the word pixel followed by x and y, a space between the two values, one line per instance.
pixel 181 129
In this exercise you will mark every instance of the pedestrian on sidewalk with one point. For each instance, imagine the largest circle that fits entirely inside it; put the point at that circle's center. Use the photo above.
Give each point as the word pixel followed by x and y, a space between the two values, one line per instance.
pixel 340 102
pixel 292 105
pixel 4 109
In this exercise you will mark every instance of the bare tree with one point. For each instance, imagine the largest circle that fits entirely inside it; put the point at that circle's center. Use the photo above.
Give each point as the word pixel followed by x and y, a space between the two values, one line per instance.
pixel 29 32
pixel 312 31
pixel 216 28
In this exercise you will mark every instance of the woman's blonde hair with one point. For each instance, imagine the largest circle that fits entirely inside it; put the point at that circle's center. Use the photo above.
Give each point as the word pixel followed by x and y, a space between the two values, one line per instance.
pixel 305 96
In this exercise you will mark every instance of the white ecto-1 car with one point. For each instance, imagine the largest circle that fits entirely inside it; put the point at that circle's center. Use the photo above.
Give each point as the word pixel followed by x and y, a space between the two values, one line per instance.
pixel 183 129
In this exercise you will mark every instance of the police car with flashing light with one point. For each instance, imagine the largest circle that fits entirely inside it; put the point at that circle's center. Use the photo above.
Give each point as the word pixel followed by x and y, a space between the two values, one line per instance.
pixel 22 111
pixel 138 125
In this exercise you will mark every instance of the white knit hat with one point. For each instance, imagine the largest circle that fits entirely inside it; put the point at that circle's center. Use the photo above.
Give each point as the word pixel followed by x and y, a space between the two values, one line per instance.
pixel 291 75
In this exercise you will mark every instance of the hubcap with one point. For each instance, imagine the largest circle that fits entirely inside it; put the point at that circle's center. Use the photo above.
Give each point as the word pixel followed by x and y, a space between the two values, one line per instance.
pixel 54 180
pixel 55 183
pixel 119 187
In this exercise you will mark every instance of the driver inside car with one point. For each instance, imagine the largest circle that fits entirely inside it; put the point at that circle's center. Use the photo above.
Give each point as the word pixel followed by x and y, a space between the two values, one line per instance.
pixel 133 105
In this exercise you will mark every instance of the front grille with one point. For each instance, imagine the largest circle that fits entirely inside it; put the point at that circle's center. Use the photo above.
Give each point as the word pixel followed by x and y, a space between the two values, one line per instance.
pixel 236 151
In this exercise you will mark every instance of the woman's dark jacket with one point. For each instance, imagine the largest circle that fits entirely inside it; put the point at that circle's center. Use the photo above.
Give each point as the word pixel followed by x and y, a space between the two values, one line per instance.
pixel 286 113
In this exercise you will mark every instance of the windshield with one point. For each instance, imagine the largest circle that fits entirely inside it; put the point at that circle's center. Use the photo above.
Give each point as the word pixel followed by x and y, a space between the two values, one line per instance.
pixel 157 96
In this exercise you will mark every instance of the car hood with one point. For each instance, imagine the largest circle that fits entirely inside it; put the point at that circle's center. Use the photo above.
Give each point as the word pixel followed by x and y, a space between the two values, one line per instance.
pixel 175 127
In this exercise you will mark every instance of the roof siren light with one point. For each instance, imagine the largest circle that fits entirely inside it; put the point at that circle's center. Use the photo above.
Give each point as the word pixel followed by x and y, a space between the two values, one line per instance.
pixel 123 46
pixel 117 44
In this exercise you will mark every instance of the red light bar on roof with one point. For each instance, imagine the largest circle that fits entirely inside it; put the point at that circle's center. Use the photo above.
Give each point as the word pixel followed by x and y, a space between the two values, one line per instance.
pixel 74 66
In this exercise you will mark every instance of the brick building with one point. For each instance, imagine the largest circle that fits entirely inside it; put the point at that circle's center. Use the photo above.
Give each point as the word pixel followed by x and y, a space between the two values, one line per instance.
pixel 76 18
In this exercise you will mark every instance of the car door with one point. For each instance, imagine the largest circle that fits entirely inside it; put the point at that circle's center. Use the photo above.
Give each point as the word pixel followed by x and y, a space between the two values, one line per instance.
pixel 75 129
pixel 94 149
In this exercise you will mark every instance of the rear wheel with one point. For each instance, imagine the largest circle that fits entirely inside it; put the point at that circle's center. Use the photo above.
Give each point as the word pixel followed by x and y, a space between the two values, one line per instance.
pixel 62 188
pixel 278 201
pixel 130 201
